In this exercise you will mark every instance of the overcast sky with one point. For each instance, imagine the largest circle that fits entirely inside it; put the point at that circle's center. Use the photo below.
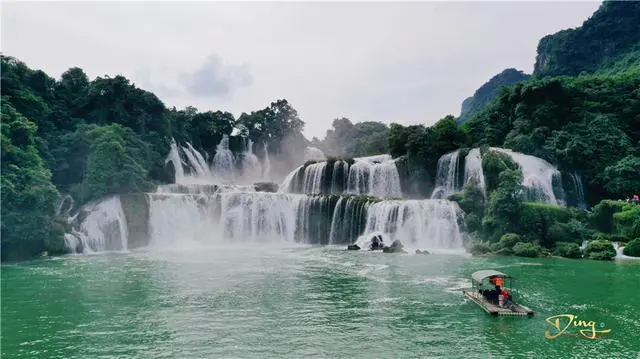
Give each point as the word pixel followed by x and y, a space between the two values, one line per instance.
pixel 391 62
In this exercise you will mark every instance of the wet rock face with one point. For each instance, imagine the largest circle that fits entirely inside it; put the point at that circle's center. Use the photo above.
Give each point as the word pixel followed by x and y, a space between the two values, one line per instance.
pixel 377 243
pixel 266 187
pixel 136 210
pixel 395 247
pixel 353 247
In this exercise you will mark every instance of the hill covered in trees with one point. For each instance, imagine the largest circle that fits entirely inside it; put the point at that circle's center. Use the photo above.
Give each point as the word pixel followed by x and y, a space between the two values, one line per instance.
pixel 488 92
pixel 608 42
pixel 346 139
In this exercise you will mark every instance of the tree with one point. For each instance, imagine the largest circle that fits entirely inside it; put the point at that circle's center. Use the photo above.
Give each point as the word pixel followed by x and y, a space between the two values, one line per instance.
pixel 623 178
pixel 118 162
pixel 28 196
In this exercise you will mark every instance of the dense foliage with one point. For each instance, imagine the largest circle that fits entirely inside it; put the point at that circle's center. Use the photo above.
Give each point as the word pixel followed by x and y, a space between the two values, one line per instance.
pixel 95 138
pixel 487 92
pixel 608 41
pixel 588 124
pixel 632 248
pixel 28 196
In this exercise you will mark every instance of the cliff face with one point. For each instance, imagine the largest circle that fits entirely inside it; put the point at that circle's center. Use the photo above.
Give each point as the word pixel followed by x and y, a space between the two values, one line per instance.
pixel 608 42
pixel 487 92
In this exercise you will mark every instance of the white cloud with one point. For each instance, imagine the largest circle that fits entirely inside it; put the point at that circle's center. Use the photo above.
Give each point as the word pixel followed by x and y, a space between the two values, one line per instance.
pixel 390 62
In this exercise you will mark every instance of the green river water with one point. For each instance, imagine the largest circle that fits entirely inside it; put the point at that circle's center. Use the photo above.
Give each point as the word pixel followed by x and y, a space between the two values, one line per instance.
pixel 298 302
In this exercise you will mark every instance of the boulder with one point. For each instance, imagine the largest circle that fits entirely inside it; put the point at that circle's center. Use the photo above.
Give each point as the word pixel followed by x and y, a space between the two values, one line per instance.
pixel 353 247
pixel 266 187
pixel 377 243
pixel 395 247
pixel 422 252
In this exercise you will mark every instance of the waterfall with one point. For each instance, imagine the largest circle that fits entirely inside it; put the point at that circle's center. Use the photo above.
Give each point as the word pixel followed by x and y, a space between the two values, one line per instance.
pixel 266 173
pixel 374 176
pixel 104 227
pixel 348 220
pixel 191 167
pixel 578 191
pixel 313 178
pixel 223 161
pixel 473 173
pixel 419 224
pixel 251 167
pixel 446 175
pixel 174 158
pixel 538 176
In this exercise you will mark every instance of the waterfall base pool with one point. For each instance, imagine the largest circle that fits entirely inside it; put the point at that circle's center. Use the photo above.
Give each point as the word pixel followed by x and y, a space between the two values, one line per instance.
pixel 304 301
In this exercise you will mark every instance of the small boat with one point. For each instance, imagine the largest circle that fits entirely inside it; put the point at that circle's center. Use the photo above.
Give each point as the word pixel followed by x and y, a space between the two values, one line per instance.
pixel 490 299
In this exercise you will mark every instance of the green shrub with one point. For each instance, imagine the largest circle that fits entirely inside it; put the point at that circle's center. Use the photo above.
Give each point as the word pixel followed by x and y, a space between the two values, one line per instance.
pixel 504 205
pixel 544 223
pixel 472 199
pixel 473 222
pixel 494 163
pixel 456 197
pixel 525 249
pixel 568 250
pixel 599 236
pixel 601 215
pixel 627 222
pixel 632 248
pixel 600 250
pixel 509 240
pixel 478 248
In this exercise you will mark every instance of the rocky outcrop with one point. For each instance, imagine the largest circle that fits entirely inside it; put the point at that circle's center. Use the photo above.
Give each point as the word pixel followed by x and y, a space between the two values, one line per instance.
pixel 395 247
pixel 136 210
pixel 266 187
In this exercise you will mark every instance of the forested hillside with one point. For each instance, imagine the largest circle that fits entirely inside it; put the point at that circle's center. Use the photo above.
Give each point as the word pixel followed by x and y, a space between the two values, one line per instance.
pixel 488 92
pixel 608 42
pixel 346 139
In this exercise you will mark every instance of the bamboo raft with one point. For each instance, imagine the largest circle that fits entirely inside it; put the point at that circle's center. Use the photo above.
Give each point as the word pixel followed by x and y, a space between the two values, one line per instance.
pixel 478 279
pixel 516 310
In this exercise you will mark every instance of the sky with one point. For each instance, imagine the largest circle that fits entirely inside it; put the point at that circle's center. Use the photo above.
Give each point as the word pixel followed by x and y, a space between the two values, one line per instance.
pixel 409 63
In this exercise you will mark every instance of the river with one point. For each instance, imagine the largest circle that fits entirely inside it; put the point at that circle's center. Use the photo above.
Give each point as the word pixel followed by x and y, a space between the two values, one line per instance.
pixel 307 301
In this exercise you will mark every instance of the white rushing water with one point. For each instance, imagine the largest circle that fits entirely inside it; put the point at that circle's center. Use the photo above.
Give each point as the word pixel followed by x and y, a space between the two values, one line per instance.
pixel 224 164
pixel 104 228
pixel 473 172
pixel 447 175
pixel 418 224
pixel 537 176
pixel 251 166
pixel 191 166
pixel 578 191
pixel 374 176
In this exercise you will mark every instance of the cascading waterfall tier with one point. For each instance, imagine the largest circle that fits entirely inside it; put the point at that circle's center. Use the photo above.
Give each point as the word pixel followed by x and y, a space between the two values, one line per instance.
pixel 541 179
pixel 473 172
pixel 447 181
pixel 419 224
pixel 374 176
pixel 191 166
pixel 102 227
